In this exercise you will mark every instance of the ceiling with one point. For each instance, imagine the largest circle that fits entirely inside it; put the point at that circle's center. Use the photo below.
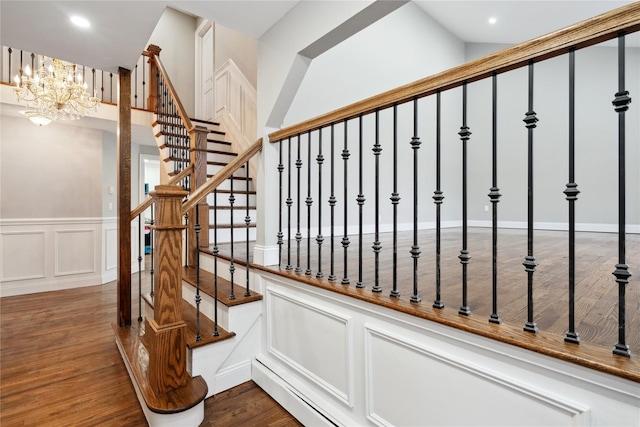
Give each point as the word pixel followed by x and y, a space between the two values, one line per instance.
pixel 121 29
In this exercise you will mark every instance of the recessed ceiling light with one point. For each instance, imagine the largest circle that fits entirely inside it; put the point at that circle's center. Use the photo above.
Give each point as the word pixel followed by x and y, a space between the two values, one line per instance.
pixel 80 21
pixel 493 20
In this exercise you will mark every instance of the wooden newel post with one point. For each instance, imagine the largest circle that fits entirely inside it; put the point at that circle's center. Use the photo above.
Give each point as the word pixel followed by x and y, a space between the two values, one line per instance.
pixel 167 350
pixel 152 99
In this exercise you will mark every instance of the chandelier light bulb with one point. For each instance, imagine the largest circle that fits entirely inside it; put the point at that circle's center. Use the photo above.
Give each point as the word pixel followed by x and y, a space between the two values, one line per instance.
pixel 59 94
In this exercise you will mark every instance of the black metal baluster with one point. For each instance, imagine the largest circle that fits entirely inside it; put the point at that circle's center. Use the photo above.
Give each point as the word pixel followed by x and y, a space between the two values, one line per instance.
pixel 280 235
pixel 186 240
pixel 232 265
pixel 298 269
pixel 572 195
pixel 102 85
pixel 140 231
pixel 198 299
pixel 110 87
pixel 152 272
pixel 135 87
pixel 494 197
pixel 464 256
pixel 309 203
pixel 289 203
pixel 247 221
pixel 216 251
pixel 530 260
pixel 622 273
pixel 438 197
pixel 33 64
pixel 395 199
pixel 345 237
pixel 415 249
pixel 360 200
pixel 332 204
pixel 93 72
pixel 319 237
pixel 10 55
pixel 144 83
pixel 377 246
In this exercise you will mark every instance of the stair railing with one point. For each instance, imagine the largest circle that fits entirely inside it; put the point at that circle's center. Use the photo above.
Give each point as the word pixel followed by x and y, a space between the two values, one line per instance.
pixel 366 118
pixel 184 143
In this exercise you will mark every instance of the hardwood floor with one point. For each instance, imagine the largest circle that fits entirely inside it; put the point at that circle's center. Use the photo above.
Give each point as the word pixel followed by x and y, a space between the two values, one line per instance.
pixel 59 366
pixel 596 290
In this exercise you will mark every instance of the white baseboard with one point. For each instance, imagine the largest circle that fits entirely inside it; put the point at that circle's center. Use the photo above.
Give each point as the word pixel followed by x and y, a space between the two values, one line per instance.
pixel 9 289
pixel 232 376
pixel 287 396
pixel 265 255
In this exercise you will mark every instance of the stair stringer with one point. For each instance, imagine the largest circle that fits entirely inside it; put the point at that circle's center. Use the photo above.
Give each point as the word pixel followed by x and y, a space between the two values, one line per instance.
pixel 227 363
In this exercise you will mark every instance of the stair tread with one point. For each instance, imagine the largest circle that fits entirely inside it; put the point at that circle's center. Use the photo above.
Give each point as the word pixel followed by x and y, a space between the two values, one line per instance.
pixel 133 345
pixel 223 191
pixel 241 178
pixel 237 226
pixel 206 326
pixel 206 286
pixel 235 207
pixel 204 121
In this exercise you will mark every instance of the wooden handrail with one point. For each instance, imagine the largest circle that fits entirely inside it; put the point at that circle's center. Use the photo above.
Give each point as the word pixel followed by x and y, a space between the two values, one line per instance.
pixel 583 34
pixel 148 201
pixel 224 173
pixel 172 91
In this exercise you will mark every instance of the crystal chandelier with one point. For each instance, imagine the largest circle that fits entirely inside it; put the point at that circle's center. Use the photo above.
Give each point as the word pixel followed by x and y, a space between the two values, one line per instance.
pixel 56 92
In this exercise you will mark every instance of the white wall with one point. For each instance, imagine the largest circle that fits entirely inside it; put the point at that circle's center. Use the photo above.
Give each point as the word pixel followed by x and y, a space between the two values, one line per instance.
pixel 242 49
pixel 175 36
pixel 596 141
pixel 402 47
pixel 34 185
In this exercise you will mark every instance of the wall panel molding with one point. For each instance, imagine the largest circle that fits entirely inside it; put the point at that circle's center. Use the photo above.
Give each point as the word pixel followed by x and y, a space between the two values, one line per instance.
pixel 499 388
pixel 23 255
pixel 318 345
pixel 48 254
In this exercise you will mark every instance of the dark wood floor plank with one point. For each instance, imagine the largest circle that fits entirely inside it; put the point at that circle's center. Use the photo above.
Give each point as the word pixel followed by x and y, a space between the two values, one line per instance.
pixel 59 365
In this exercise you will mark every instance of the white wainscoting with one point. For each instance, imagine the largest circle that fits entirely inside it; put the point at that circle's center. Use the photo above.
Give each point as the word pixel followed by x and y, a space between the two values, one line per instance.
pixel 47 254
pixel 404 371
pixel 235 97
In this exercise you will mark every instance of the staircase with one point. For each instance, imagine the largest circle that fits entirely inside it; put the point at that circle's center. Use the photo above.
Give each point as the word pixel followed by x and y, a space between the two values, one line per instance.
pixel 222 355
pixel 173 142
pixel 218 356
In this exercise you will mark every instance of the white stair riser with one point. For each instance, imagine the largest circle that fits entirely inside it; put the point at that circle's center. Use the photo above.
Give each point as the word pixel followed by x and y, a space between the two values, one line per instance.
pixel 223 199
pixel 214 169
pixel 220 157
pixel 239 276
pixel 239 215
pixel 227 364
pixel 239 235
pixel 238 185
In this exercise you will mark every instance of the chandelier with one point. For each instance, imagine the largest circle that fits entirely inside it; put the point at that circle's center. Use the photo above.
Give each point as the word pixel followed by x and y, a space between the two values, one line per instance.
pixel 56 92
